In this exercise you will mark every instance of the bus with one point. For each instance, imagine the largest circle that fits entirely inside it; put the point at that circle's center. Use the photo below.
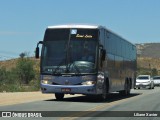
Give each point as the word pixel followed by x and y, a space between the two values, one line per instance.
pixel 85 59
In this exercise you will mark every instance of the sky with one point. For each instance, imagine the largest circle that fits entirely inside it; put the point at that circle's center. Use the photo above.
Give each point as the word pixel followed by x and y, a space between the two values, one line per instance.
pixel 23 22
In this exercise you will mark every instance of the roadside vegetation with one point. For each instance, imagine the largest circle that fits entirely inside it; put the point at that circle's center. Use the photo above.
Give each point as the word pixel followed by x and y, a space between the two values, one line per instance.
pixel 22 74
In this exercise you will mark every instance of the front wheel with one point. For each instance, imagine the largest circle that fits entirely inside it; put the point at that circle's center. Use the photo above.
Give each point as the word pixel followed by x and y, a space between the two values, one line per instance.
pixel 104 94
pixel 105 88
pixel 59 96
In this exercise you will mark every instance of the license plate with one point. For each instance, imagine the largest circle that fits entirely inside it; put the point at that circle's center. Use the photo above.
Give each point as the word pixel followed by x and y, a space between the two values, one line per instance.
pixel 66 89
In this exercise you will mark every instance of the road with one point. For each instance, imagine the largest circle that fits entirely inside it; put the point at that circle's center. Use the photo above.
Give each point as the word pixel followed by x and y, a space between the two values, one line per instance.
pixel 139 100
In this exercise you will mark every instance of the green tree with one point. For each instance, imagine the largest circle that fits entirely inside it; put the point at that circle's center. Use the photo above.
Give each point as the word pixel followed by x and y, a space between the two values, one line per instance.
pixel 25 70
pixel 22 55
pixel 3 75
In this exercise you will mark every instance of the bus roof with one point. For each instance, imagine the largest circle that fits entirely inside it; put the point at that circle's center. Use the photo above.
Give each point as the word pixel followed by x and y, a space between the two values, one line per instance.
pixel 74 26
pixel 85 26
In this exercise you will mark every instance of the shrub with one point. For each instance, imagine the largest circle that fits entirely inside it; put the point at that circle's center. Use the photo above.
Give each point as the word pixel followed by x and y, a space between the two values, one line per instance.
pixel 25 70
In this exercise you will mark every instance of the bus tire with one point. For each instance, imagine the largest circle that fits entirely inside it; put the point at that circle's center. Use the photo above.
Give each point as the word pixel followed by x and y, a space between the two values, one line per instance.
pixel 127 89
pixel 59 96
pixel 104 95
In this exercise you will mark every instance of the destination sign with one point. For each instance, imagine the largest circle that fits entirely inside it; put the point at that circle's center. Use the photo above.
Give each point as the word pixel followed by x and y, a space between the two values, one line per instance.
pixel 74 34
pixel 85 34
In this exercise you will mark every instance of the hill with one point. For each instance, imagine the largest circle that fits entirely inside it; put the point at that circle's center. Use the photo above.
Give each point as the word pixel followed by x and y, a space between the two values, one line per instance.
pixel 9 64
pixel 151 50
pixel 148 63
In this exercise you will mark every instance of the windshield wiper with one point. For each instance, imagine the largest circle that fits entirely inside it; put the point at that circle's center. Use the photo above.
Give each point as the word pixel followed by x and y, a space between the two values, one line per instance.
pixel 77 69
pixel 57 68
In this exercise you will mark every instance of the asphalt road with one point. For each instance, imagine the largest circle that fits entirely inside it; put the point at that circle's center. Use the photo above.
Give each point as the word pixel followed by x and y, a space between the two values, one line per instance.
pixel 76 107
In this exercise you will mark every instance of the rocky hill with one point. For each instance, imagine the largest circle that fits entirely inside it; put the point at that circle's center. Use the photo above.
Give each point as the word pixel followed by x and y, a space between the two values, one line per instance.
pixel 148 56
pixel 151 50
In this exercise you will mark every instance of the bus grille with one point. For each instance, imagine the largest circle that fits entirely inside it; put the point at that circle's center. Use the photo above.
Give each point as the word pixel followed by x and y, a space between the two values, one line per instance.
pixel 53 83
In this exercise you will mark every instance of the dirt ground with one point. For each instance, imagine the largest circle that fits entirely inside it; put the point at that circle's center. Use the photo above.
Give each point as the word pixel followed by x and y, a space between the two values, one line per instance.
pixel 10 98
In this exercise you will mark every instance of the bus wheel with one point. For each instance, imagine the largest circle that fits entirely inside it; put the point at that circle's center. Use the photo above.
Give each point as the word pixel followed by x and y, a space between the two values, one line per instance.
pixel 127 89
pixel 59 96
pixel 104 94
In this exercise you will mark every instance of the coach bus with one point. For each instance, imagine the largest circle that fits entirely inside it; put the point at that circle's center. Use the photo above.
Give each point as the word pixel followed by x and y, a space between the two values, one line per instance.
pixel 86 59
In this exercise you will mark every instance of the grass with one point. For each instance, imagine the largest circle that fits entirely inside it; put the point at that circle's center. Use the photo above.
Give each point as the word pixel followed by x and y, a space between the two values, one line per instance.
pixel 9 81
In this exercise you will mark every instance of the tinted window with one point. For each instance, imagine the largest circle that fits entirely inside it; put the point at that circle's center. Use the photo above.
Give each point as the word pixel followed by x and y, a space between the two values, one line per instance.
pixel 143 77
pixel 155 78
pixel 56 34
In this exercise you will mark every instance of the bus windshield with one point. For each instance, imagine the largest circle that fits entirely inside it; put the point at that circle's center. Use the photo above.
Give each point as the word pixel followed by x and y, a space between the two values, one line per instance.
pixel 69 56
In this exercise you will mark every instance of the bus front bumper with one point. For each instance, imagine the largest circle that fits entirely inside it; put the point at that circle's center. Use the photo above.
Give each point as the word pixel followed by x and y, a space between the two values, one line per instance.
pixel 68 89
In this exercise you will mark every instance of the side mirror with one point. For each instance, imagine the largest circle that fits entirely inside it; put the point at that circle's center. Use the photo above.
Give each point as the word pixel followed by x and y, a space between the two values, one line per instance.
pixel 37 49
pixel 37 52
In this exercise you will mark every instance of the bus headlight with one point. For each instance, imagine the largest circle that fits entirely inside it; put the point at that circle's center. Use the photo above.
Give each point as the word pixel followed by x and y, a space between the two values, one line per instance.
pixel 88 83
pixel 46 81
